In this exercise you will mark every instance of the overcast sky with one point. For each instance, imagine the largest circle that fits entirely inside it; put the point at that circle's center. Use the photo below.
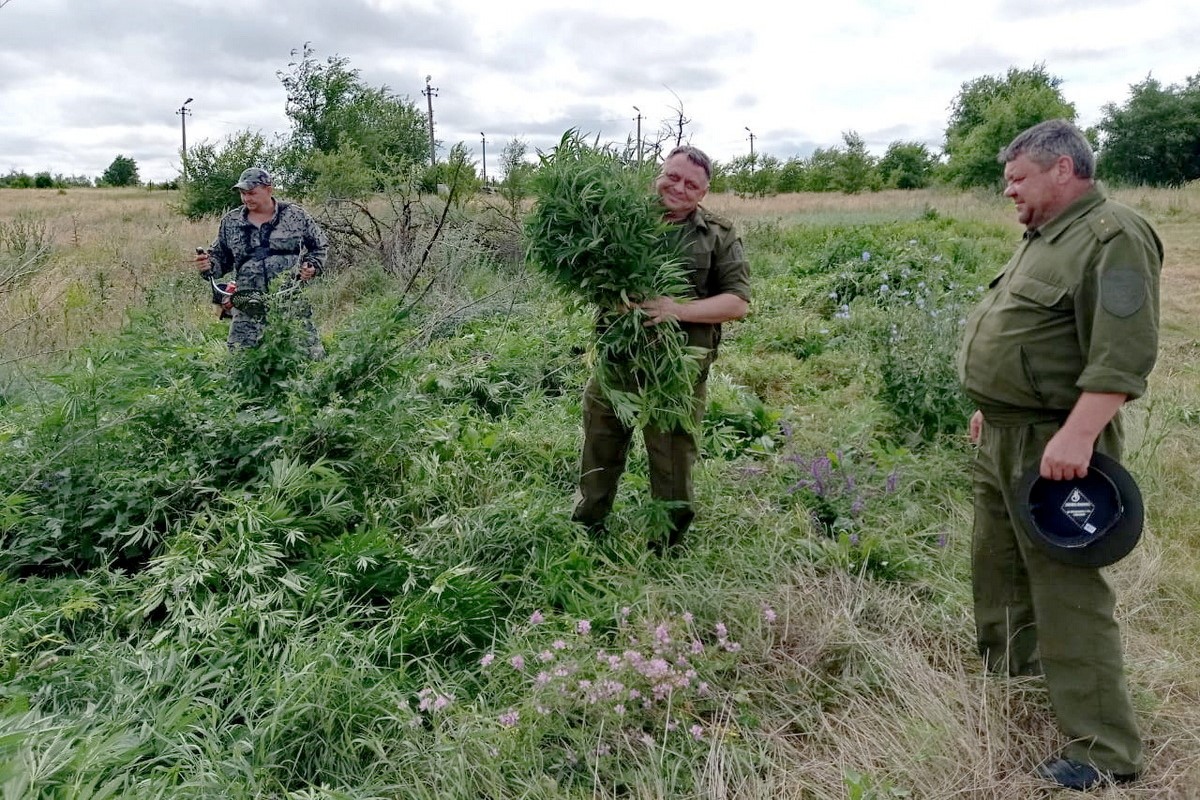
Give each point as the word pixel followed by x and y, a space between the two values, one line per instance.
pixel 82 81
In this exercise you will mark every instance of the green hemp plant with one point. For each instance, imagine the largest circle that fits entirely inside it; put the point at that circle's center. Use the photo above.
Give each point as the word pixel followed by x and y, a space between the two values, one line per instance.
pixel 599 234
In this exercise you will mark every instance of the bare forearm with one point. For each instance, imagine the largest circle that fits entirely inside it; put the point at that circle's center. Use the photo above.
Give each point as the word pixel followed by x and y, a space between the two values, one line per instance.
pixel 711 310
pixel 1092 412
pixel 1068 452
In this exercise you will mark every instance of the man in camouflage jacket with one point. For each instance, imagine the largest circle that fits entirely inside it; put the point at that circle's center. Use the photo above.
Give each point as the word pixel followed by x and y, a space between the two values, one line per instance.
pixel 258 242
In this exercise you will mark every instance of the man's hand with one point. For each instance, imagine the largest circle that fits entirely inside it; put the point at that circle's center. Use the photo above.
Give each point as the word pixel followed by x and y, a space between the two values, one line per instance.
pixel 202 261
pixel 660 309
pixel 1069 452
pixel 307 271
pixel 975 427
pixel 1066 456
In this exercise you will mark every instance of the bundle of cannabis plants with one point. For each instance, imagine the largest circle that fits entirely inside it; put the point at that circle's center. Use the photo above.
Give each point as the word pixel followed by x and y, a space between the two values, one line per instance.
pixel 598 232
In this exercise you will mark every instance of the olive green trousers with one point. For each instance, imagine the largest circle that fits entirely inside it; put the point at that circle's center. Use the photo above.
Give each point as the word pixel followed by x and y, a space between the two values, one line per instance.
pixel 671 454
pixel 1036 615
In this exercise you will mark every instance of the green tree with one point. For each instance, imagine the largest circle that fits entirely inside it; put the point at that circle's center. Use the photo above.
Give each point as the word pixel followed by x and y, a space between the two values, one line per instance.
pixel 517 170
pixel 792 176
pixel 989 112
pixel 1153 139
pixel 456 173
pixel 854 168
pixel 332 110
pixel 122 171
pixel 906 165
pixel 821 175
pixel 754 176
pixel 213 169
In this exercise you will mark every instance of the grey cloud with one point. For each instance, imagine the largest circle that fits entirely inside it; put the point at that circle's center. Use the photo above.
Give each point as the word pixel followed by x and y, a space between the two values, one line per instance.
pixel 787 144
pixel 621 54
pixel 978 59
pixel 1076 55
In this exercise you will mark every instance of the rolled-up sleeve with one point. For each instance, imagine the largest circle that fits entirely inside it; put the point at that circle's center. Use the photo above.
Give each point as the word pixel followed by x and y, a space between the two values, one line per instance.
pixel 1117 308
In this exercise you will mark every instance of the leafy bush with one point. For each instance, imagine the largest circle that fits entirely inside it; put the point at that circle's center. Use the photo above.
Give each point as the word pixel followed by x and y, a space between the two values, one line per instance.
pixel 213 169
pixel 600 235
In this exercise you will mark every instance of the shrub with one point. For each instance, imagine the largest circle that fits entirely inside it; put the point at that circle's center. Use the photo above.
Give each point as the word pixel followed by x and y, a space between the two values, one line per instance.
pixel 213 169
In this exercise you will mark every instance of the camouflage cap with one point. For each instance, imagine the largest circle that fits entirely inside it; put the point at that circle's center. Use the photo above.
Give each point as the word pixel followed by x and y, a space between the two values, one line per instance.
pixel 253 178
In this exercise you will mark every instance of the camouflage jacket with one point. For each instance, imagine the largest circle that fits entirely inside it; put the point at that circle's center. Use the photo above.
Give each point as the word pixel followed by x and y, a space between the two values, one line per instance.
pixel 256 254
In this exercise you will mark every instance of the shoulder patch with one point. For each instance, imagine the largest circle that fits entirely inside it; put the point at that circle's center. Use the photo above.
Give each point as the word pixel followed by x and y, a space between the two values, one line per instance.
pixel 1104 224
pixel 1122 291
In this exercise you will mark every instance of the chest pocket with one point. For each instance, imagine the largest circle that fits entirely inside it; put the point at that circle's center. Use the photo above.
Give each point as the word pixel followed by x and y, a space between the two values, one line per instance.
pixel 283 245
pixel 1038 292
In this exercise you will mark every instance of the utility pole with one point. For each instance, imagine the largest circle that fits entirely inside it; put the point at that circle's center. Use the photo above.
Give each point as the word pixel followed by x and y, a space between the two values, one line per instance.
pixel 483 138
pixel 183 112
pixel 751 148
pixel 430 92
pixel 639 134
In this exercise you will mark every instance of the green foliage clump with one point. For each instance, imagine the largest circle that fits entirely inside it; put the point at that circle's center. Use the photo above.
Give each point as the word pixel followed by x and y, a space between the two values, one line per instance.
pixel 907 165
pixel 122 171
pixel 1154 138
pixel 213 169
pixel 989 112
pixel 599 234
pixel 333 111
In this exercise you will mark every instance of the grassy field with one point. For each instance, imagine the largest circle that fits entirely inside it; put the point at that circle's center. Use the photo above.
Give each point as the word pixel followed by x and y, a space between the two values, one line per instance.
pixel 255 577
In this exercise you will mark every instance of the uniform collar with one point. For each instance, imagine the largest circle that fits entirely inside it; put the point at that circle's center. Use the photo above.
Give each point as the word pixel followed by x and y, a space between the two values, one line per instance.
pixel 1082 205
pixel 695 219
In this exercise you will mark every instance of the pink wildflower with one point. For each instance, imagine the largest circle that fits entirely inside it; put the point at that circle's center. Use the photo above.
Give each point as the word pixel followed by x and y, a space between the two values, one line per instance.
pixel 487 659
pixel 518 662
pixel 536 618
pixel 583 627
pixel 510 718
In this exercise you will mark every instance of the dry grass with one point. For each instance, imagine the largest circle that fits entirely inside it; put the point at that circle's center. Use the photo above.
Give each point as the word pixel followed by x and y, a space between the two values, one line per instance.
pixel 108 247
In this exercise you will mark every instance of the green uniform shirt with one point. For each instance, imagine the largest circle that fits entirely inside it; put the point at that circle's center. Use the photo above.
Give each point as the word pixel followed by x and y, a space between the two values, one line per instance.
pixel 718 266
pixel 1075 310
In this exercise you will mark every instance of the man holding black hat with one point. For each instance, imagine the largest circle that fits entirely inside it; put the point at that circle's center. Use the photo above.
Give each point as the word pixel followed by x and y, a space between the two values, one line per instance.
pixel 1065 335
pixel 258 242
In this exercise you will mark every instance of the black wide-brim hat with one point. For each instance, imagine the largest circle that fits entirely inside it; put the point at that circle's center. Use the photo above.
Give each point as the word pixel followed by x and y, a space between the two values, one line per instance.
pixel 1091 521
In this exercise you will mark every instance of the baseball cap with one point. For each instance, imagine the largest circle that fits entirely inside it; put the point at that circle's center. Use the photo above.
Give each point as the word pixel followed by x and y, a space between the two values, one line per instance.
pixel 253 177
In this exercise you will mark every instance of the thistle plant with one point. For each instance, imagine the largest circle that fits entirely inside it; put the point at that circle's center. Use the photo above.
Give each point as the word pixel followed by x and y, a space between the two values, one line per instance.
pixel 598 233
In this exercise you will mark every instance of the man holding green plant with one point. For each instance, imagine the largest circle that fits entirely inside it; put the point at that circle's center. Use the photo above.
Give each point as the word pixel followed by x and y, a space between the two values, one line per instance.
pixel 718 291
pixel 1066 334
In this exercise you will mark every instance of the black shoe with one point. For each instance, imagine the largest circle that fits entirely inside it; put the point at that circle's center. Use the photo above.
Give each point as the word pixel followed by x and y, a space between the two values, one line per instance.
pixel 598 531
pixel 1071 774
